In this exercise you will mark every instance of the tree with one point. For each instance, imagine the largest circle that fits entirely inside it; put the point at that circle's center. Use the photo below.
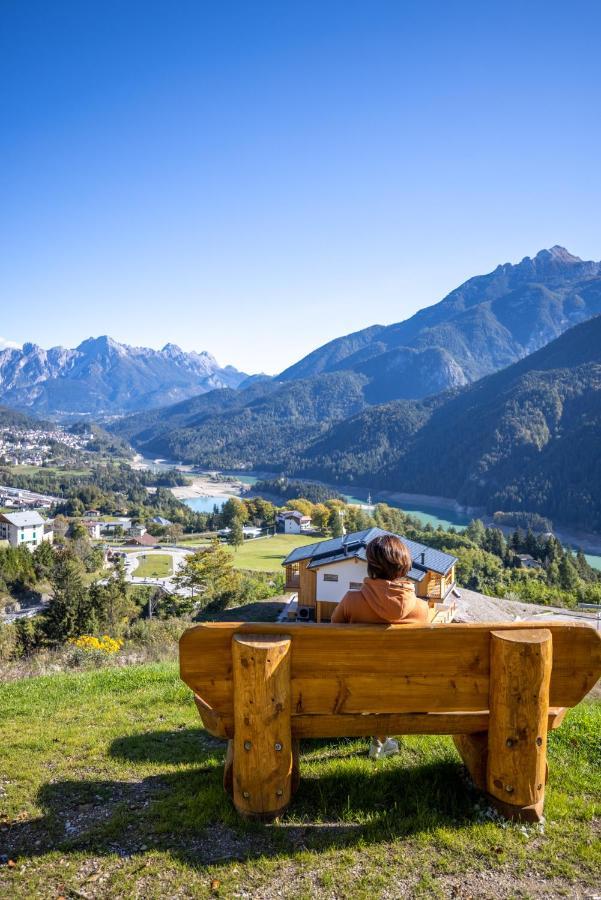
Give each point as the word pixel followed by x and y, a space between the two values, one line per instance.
pixel 568 573
pixel 60 526
pixel 109 607
pixel 495 542
pixel 305 507
pixel 175 532
pixel 232 510
pixel 26 636
pixel 78 532
pixel 320 517
pixel 236 535
pixel 335 523
pixel 209 573
pixel 43 560
pixel 476 532
pixel 68 593
pixel 478 570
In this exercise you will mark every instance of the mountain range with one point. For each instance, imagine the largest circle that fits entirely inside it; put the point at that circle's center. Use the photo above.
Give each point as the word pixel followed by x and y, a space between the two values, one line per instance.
pixel 484 397
pixel 102 377
pixel 525 438
pixel 484 325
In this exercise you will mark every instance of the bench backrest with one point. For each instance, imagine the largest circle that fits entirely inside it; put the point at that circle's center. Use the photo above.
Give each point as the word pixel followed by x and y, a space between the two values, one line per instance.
pixel 353 670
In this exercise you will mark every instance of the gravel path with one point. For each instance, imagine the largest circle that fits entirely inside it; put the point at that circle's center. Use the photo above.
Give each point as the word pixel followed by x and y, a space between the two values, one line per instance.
pixel 475 607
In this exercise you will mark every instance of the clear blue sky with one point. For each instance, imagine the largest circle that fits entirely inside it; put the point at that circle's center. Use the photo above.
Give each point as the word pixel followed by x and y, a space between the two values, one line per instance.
pixel 256 178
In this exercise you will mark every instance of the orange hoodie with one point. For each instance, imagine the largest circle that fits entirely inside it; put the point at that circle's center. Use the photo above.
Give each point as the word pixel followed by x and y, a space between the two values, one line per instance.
pixel 381 601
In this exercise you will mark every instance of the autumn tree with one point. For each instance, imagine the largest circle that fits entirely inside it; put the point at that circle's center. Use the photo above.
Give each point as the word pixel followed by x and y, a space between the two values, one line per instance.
pixel 209 574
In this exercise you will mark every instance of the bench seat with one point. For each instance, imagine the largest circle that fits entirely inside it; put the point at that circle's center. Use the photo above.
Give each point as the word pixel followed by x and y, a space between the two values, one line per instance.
pixel 497 688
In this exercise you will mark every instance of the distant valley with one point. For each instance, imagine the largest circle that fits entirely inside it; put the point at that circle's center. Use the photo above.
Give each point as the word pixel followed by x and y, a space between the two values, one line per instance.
pixel 483 397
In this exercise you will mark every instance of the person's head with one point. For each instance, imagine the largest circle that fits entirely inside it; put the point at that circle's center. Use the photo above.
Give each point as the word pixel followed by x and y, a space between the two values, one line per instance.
pixel 387 557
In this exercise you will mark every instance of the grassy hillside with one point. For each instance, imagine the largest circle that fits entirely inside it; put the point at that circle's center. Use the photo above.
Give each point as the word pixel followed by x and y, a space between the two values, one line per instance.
pixel 266 554
pixel 110 788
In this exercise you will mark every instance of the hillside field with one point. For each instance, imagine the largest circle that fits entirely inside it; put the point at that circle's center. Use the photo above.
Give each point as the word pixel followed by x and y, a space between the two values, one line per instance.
pixel 266 554
pixel 110 788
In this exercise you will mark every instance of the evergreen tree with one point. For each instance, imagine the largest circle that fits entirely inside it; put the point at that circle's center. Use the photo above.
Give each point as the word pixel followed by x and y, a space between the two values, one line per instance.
pixel 26 636
pixel 531 544
pixel 68 592
pixel 568 573
pixel 335 523
pixel 515 541
pixel 236 535
pixel 476 532
pixel 495 542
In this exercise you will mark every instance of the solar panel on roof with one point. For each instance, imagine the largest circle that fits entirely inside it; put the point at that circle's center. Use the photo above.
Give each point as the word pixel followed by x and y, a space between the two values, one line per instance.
pixel 354 544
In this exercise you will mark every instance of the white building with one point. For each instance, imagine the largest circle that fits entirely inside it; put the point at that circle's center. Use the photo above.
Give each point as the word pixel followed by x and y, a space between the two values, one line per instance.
pixel 290 521
pixel 22 528
pixel 248 531
pixel 93 529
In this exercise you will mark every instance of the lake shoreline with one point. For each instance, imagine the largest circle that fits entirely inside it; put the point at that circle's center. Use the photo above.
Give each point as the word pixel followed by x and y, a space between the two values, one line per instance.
pixel 202 486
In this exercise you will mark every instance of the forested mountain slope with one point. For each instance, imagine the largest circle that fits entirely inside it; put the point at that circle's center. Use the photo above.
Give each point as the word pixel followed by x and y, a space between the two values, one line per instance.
pixel 267 426
pixel 527 437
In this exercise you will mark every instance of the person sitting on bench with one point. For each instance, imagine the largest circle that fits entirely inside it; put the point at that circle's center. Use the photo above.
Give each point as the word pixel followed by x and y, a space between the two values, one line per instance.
pixel 386 597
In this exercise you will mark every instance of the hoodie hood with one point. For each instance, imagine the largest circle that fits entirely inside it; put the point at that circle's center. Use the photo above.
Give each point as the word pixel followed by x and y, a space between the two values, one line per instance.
pixel 392 601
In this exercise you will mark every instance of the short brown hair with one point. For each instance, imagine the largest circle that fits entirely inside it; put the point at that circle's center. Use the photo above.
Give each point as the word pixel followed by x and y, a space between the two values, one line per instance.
pixel 388 558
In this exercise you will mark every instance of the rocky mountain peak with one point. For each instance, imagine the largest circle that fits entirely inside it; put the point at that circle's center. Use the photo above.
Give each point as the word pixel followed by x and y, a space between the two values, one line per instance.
pixel 558 253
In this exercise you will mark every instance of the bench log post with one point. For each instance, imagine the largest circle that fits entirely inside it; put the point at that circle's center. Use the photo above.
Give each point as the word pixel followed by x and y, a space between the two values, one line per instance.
pixel 262 759
pixel 473 750
pixel 520 673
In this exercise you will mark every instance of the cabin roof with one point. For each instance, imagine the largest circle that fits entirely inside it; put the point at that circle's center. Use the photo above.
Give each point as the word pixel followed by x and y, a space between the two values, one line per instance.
pixel 354 544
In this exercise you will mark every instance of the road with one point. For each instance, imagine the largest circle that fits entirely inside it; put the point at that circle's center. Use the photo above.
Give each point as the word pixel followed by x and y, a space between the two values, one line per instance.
pixel 178 557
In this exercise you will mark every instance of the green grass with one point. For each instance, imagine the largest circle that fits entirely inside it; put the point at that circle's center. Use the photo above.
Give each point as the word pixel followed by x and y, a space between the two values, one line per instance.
pixel 155 565
pixel 266 554
pixel 46 470
pixel 110 788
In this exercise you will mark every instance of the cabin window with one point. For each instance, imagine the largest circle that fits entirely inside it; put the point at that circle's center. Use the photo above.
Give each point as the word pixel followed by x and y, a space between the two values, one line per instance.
pixel 330 577
pixel 355 585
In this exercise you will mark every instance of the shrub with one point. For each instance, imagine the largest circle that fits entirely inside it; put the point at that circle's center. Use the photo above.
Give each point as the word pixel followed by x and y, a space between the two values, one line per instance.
pixel 87 648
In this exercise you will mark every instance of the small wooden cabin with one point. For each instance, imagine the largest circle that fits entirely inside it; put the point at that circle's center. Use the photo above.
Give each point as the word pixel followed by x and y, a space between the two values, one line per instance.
pixel 323 572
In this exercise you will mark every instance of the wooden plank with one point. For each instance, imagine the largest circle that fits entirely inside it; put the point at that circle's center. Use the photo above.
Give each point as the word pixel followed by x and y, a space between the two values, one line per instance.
pixel 521 664
pixel 426 655
pixel 369 693
pixel 307 589
pixel 361 725
pixel 263 752
pixel 358 725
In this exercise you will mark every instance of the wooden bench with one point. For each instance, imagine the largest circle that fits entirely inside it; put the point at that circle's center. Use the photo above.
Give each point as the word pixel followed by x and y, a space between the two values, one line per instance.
pixel 495 688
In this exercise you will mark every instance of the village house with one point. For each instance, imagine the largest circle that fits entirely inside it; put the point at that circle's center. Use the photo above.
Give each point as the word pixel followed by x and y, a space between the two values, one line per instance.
pixel 528 562
pixel 248 532
pixel 142 540
pixel 22 528
pixel 111 527
pixel 137 530
pixel 93 529
pixel 323 572
pixel 162 521
pixel 290 521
